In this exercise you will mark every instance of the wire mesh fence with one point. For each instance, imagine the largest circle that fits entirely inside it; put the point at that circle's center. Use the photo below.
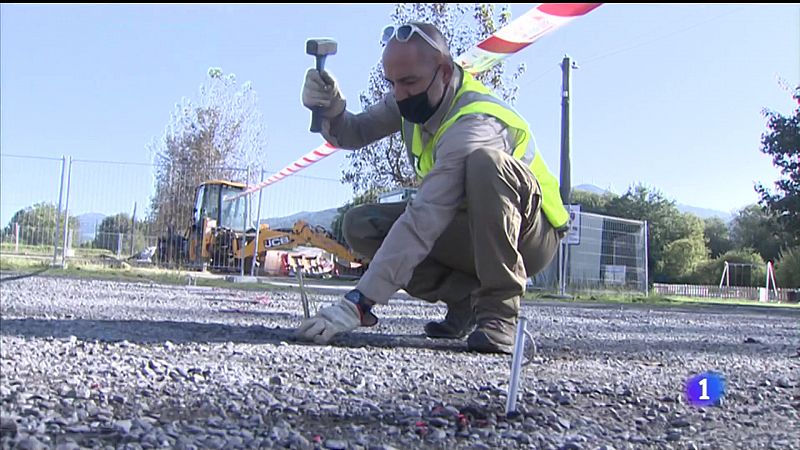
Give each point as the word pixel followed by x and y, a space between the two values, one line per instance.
pixel 168 215
pixel 617 247
pixel 156 213
pixel 30 204
pixel 601 253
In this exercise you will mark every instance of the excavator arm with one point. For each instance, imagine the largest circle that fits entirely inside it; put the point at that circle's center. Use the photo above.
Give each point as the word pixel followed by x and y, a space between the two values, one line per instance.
pixel 319 238
pixel 303 234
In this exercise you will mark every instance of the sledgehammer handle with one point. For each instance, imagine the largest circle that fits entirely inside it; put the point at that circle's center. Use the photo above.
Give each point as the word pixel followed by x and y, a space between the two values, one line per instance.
pixel 316 113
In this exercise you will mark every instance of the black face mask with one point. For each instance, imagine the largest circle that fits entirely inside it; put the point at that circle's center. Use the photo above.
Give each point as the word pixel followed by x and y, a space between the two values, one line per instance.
pixel 417 108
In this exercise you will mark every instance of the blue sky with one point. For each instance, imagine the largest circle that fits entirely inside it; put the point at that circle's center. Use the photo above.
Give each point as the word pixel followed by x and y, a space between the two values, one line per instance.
pixel 667 95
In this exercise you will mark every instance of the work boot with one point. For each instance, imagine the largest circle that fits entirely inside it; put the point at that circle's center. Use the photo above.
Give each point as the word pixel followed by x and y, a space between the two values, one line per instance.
pixel 458 322
pixel 493 336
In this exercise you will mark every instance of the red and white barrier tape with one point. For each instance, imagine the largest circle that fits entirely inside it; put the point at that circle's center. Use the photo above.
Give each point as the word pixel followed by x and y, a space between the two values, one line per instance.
pixel 310 158
pixel 520 33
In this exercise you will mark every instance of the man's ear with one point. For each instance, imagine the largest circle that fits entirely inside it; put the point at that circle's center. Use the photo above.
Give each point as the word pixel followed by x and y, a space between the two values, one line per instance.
pixel 447 73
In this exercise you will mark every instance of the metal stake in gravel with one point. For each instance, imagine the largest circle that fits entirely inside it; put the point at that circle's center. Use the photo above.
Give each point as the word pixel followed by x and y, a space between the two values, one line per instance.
pixel 303 296
pixel 517 363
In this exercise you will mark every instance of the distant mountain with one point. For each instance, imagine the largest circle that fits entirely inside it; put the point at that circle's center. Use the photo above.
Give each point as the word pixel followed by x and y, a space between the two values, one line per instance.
pixel 702 213
pixel 315 218
pixel 325 217
pixel 88 225
pixel 591 188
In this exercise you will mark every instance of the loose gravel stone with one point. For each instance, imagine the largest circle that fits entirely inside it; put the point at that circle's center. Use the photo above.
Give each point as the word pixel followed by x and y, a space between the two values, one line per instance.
pixel 141 365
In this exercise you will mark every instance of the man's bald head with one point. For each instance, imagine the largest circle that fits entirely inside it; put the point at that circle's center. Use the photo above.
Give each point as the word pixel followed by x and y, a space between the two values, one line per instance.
pixel 411 66
pixel 440 55
pixel 424 50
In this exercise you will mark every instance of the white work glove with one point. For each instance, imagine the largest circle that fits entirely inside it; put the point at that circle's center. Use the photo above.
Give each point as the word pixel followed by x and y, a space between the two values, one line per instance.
pixel 330 321
pixel 321 90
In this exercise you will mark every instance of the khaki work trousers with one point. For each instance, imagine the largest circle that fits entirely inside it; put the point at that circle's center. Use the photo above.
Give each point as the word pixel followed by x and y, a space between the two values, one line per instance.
pixel 498 238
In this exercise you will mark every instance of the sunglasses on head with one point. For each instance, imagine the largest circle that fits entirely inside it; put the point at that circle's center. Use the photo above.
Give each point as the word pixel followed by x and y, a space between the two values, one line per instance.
pixel 404 32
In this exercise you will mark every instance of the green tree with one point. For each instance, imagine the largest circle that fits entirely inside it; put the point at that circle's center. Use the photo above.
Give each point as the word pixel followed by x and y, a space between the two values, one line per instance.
pixel 684 248
pixel 213 137
pixel 681 258
pixel 686 226
pixel 750 269
pixel 717 236
pixel 591 202
pixel 114 233
pixel 787 269
pixel 37 225
pixel 755 227
pixel 782 142
pixel 384 164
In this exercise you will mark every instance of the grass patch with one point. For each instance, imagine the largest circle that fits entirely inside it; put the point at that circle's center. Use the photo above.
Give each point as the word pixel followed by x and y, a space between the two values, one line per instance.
pixel 19 264
pixel 9 249
pixel 97 271
pixel 25 249
pixel 77 269
pixel 664 300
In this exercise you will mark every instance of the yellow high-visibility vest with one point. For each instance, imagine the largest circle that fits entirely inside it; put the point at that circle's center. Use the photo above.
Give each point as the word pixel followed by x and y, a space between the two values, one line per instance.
pixel 475 98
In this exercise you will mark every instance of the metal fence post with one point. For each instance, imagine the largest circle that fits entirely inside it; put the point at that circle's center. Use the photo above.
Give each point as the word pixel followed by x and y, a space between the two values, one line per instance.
pixel 119 244
pixel 561 268
pixel 258 229
pixel 67 241
pixel 58 211
pixel 246 215
pixel 16 237
pixel 646 261
pixel 133 229
pixel 566 269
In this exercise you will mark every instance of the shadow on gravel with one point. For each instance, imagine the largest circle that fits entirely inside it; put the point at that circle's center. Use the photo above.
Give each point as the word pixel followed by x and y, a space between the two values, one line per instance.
pixel 150 332
pixel 15 276
pixel 677 307
pixel 389 341
pixel 142 331
pixel 572 349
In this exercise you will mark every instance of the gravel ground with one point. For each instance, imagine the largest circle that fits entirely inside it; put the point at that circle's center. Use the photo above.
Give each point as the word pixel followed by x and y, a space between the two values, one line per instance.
pixel 103 364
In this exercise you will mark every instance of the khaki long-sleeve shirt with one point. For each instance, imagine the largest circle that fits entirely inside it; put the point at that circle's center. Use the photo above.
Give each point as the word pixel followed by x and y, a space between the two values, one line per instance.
pixel 441 193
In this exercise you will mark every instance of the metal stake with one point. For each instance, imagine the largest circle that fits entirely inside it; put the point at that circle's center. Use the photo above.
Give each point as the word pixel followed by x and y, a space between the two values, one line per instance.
pixel 303 296
pixel 516 365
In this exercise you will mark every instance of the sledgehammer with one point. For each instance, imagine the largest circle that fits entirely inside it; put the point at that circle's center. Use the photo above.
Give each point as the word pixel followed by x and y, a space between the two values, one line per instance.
pixel 319 48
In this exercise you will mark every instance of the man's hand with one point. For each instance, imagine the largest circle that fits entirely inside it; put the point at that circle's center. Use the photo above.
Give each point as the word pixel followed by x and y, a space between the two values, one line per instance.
pixel 330 321
pixel 321 90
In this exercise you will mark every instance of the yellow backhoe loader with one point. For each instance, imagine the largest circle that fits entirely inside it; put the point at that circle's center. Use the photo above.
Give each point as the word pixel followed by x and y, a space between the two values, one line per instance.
pixel 217 239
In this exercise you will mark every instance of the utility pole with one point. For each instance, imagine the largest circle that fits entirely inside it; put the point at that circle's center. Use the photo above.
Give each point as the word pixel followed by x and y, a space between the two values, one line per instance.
pixel 566 141
pixel 566 124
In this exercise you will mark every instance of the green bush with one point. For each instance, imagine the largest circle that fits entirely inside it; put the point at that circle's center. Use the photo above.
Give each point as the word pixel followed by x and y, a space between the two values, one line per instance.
pixel 787 268
pixel 681 258
pixel 710 272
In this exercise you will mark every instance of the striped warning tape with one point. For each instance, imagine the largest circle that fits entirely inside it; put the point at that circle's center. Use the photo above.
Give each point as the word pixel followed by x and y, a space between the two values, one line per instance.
pixel 520 33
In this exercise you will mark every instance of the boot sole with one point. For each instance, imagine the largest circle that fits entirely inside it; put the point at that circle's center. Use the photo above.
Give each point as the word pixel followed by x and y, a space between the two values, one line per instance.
pixel 433 334
pixel 478 342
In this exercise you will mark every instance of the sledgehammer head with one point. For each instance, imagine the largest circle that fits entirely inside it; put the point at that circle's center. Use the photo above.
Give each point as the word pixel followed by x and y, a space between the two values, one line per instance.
pixel 321 47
